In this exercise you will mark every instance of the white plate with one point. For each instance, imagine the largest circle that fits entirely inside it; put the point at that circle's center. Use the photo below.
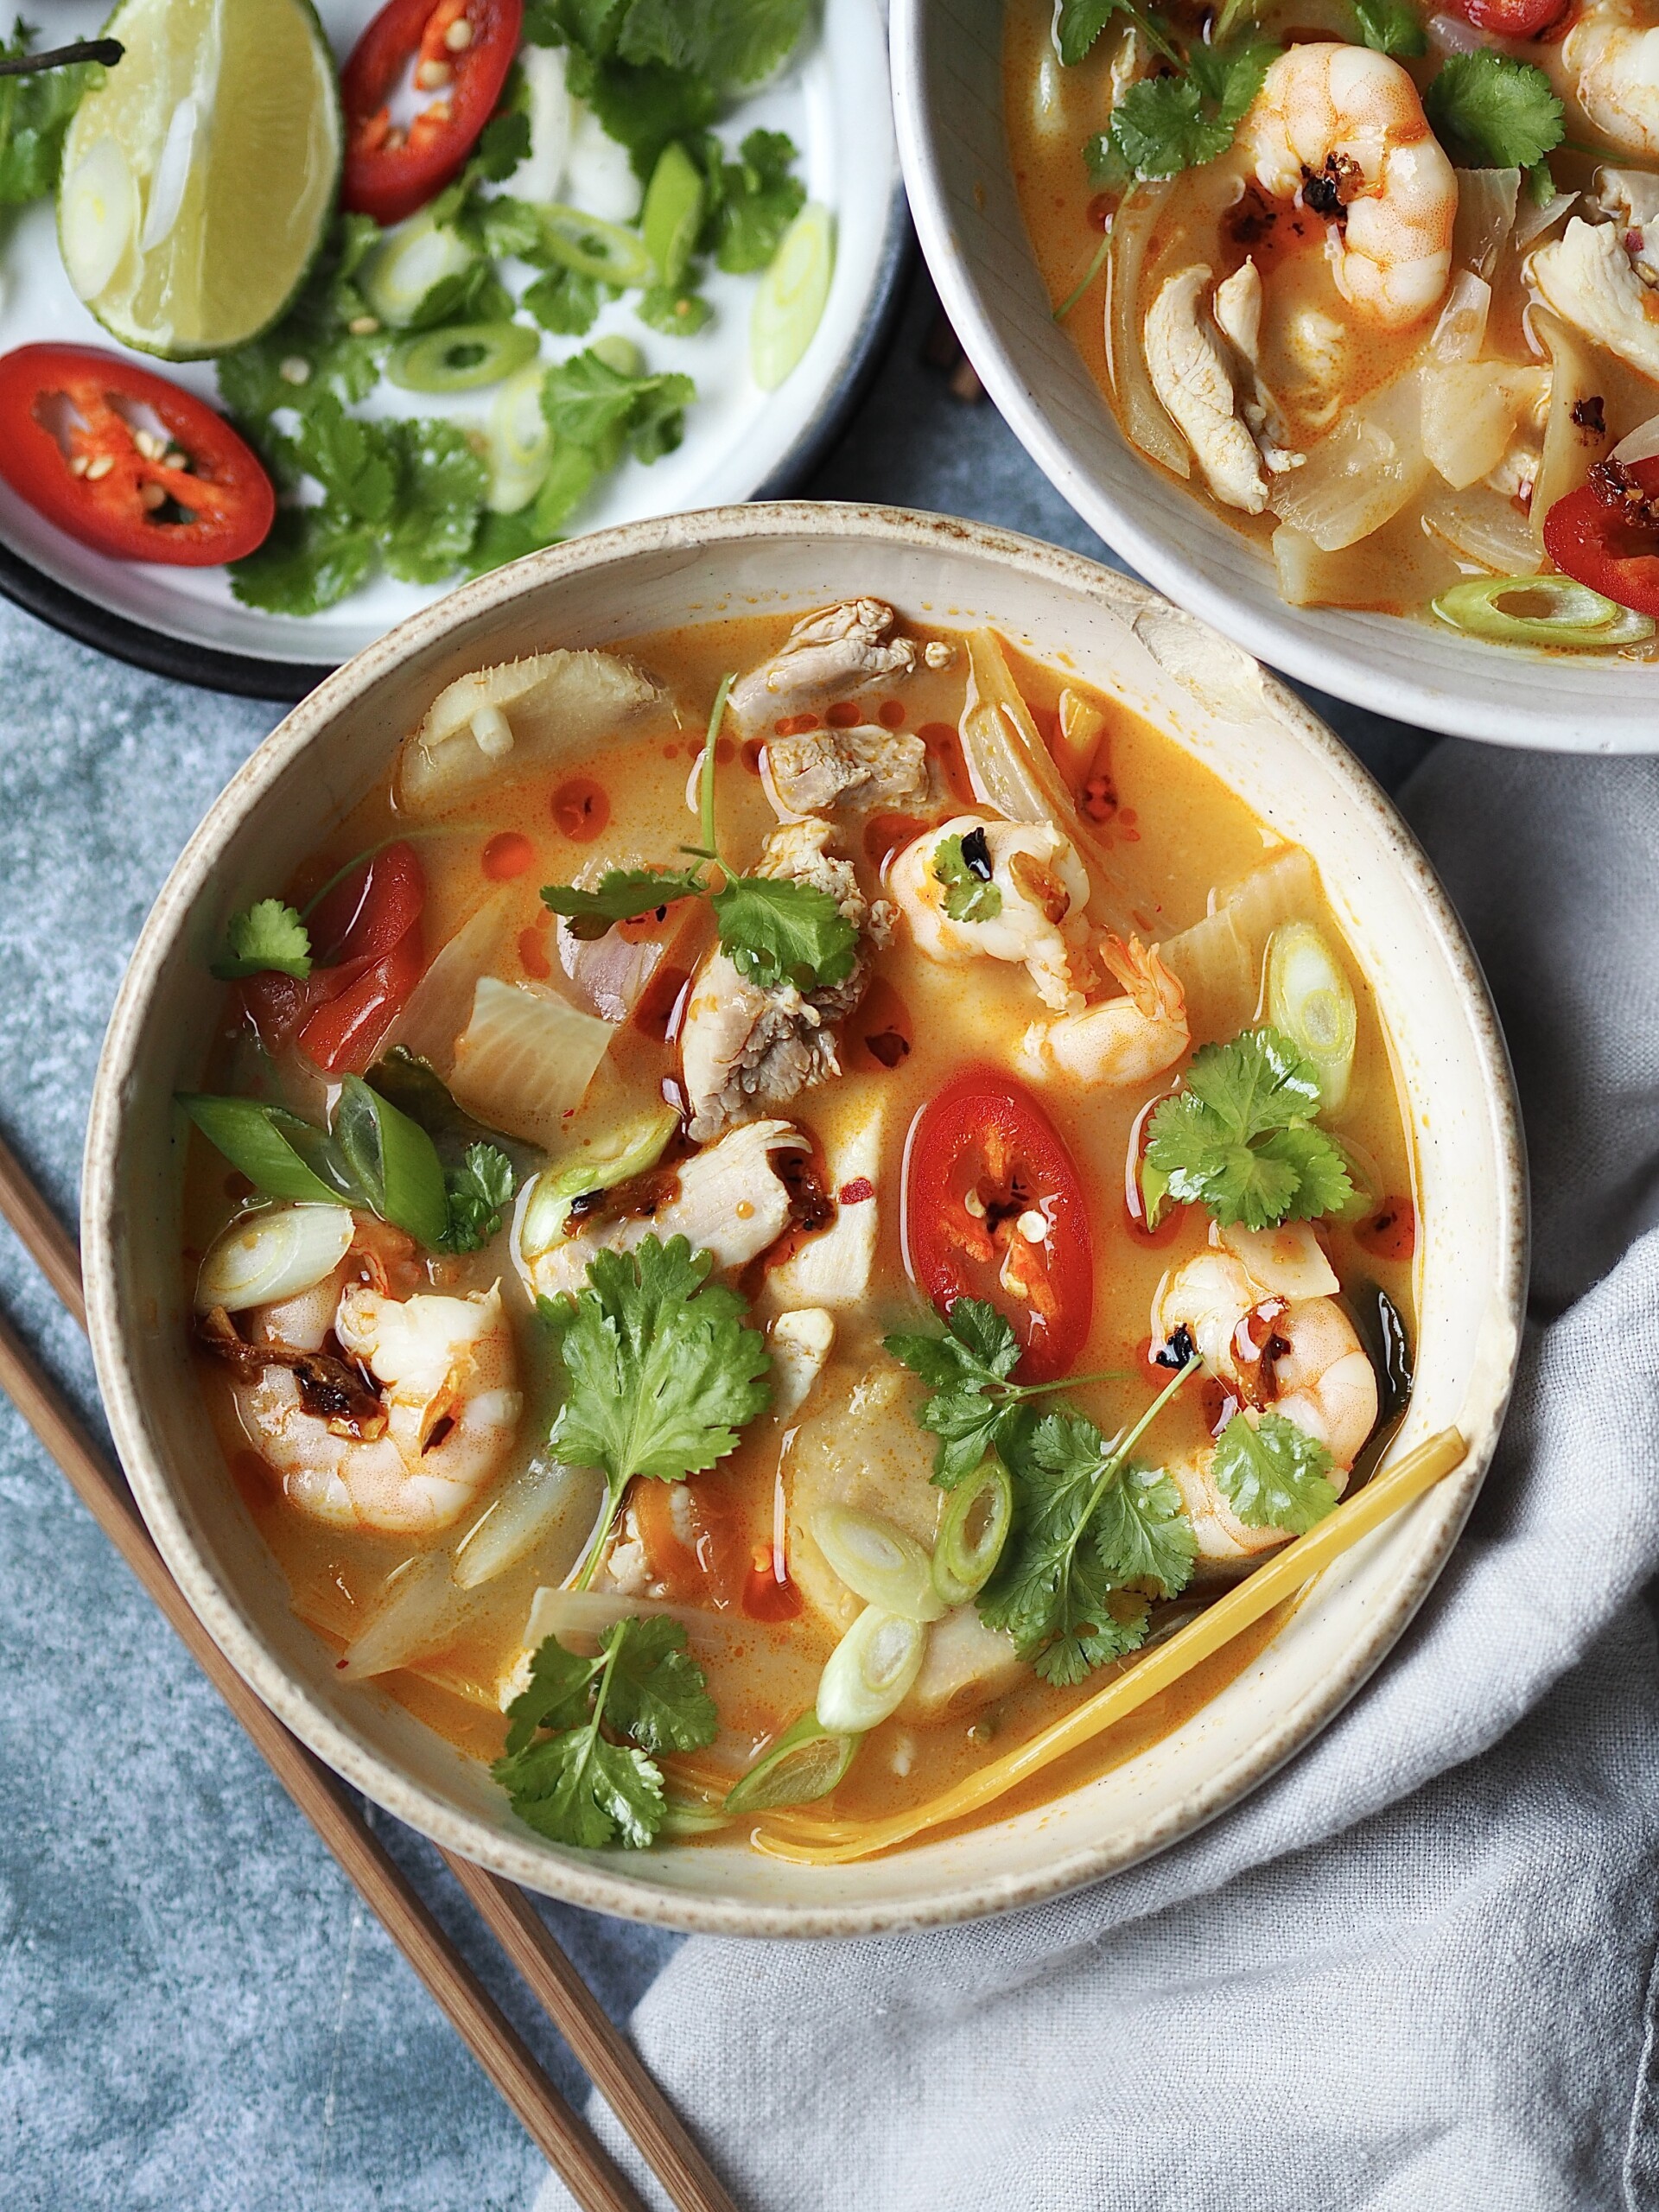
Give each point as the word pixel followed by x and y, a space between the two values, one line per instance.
pixel 947 73
pixel 833 101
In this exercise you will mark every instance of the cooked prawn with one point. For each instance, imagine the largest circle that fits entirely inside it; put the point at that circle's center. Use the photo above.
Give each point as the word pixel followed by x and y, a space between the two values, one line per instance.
pixel 1609 62
pixel 1124 1040
pixel 447 1412
pixel 1345 126
pixel 1280 1351
pixel 1037 891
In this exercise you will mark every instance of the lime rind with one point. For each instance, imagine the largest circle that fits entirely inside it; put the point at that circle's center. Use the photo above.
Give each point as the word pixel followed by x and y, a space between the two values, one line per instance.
pixel 246 210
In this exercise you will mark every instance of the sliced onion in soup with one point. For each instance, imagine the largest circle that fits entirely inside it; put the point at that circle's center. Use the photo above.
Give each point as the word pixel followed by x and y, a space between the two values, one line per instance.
pixel 414 1617
pixel 525 1058
pixel 273 1254
pixel 1150 427
pixel 524 1513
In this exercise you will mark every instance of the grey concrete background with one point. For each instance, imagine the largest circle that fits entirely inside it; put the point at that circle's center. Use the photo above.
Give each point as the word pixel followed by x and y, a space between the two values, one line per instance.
pixel 196 2014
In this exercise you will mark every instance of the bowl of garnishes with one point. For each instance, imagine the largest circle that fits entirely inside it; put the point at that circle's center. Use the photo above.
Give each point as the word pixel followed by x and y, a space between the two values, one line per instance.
pixel 1337 321
pixel 308 315
pixel 802 1219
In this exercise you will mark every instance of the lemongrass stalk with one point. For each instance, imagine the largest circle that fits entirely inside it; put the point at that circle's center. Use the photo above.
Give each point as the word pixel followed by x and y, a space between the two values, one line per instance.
pixel 826 1844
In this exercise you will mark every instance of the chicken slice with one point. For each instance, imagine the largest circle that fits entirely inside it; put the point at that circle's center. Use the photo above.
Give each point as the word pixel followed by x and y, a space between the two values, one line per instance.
pixel 814 771
pixel 1194 376
pixel 746 1046
pixel 800 1342
pixel 1587 277
pixel 729 1200
pixel 1237 310
pixel 834 1269
pixel 829 655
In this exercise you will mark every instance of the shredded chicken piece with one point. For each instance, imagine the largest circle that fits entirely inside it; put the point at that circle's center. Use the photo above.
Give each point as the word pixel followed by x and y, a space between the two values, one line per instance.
pixel 829 655
pixel 814 771
pixel 748 1048
pixel 1238 309
pixel 1194 376
pixel 1587 277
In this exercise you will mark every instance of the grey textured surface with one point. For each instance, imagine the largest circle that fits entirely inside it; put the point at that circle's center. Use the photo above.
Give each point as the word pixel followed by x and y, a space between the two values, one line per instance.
pixel 195 2013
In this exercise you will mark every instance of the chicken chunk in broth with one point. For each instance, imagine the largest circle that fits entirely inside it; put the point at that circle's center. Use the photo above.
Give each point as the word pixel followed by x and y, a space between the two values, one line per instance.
pixel 751 1259
pixel 1393 314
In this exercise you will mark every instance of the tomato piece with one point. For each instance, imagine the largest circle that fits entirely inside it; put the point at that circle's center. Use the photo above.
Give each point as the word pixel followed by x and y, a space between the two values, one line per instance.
pixel 981 1158
pixel 391 168
pixel 365 914
pixel 1606 533
pixel 341 1035
pixel 71 419
pixel 1512 18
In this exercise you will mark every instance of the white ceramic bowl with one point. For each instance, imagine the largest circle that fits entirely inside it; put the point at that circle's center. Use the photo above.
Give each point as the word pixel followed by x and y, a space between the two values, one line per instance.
pixel 947 78
pixel 655 574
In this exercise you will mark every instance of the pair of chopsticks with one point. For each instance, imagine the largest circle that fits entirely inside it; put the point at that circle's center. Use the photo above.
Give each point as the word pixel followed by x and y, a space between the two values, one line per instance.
pixel 610 2062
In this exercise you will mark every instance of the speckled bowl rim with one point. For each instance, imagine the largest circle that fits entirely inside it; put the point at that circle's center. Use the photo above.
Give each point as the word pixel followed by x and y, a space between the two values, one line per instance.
pixel 237 1635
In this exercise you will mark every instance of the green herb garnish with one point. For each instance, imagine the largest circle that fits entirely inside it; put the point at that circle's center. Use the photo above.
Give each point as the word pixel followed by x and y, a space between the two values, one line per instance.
pixel 35 111
pixel 1165 125
pixel 1498 113
pixel 568 1778
pixel 1240 1138
pixel 269 936
pixel 663 1371
pixel 1273 1474
pixel 963 865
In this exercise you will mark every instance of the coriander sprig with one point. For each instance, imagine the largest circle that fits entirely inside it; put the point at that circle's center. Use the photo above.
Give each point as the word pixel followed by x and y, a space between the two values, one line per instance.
pixel 1242 1140
pixel 773 930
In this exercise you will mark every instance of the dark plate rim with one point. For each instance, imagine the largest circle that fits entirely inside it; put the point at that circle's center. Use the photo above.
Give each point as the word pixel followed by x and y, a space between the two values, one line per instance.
pixel 248 676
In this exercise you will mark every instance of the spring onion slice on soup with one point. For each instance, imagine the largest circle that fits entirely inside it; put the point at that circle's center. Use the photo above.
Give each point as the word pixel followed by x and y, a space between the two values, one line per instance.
pixel 735 1273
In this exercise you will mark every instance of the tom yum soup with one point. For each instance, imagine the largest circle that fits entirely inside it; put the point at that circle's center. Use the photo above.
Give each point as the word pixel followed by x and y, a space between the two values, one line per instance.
pixel 1380 283
pixel 753 1236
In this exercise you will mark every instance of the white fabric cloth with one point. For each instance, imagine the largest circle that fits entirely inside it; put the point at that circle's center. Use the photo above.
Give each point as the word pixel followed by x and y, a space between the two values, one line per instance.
pixel 1417 1968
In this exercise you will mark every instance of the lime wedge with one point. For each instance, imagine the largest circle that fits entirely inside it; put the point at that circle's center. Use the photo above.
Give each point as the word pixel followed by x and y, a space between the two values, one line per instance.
pixel 198 179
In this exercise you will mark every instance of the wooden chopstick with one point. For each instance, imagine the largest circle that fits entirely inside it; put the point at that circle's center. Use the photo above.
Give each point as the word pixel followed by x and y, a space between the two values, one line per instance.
pixel 603 2052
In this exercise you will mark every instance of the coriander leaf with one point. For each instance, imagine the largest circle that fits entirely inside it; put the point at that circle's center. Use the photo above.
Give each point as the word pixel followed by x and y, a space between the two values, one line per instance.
pixel 1391 27
pixel 1274 1474
pixel 565 302
pixel 966 1370
pixel 1541 184
pixel 356 463
pixel 1079 24
pixel 578 1789
pixel 502 144
pixel 475 293
pixel 35 114
pixel 1141 1534
pixel 1107 170
pixel 1499 113
pixel 1239 1139
pixel 643 108
pixel 775 930
pixel 269 936
pixel 1165 125
pixel 962 865
pixel 620 895
pixel 441 486
pixel 311 559
pixel 587 402
pixel 570 477
pixel 729 43
pixel 558 1694
pixel 1053 1592
pixel 478 1192
pixel 659 1694
pixel 751 202
pixel 501 538
pixel 663 1371
pixel 501 227
pixel 675 311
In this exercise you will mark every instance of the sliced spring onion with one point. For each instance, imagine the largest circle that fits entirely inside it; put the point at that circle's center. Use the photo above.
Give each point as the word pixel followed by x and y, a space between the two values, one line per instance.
pixel 878 1562
pixel 632 1148
pixel 521 445
pixel 274 1253
pixel 1541 611
pixel 977 1517
pixel 868 1675
pixel 265 1143
pixel 620 353
pixel 790 300
pixel 684 1815
pixel 673 212
pixel 462 357
pixel 395 1162
pixel 406 266
pixel 1311 1000
pixel 594 247
pixel 807 1761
